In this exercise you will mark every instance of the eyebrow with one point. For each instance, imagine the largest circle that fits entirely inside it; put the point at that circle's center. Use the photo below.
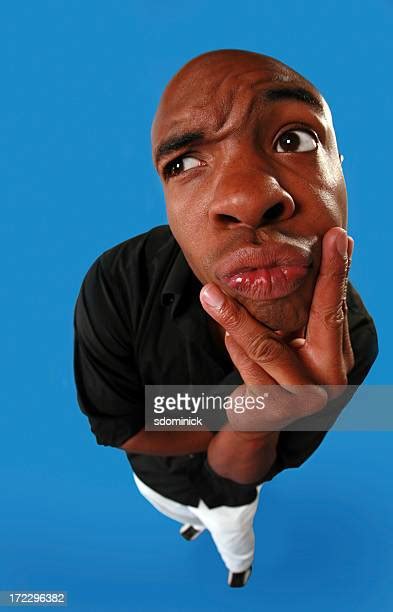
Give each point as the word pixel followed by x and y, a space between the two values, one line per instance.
pixel 293 93
pixel 176 142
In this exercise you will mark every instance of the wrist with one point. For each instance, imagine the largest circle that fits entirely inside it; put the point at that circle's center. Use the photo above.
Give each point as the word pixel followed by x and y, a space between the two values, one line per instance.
pixel 258 436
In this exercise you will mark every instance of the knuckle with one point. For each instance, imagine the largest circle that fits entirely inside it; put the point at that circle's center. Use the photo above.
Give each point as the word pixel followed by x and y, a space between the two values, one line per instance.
pixel 314 399
pixel 337 274
pixel 337 277
pixel 230 316
pixel 330 317
pixel 265 349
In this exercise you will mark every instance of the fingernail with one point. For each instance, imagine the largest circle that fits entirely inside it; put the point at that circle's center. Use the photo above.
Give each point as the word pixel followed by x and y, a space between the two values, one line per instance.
pixel 298 342
pixel 341 243
pixel 212 296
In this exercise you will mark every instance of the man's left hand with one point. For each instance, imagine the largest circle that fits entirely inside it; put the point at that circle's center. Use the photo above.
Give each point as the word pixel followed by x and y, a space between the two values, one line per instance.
pixel 324 357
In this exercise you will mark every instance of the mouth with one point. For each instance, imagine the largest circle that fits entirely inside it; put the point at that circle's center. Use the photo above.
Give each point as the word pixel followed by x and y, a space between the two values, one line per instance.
pixel 267 283
pixel 266 273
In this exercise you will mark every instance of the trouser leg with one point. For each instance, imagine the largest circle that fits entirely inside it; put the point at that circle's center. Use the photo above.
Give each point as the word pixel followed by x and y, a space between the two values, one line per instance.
pixel 170 508
pixel 232 531
pixel 230 527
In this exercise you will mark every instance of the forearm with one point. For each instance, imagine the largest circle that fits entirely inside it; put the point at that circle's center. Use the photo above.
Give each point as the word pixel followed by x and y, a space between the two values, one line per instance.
pixel 168 442
pixel 241 457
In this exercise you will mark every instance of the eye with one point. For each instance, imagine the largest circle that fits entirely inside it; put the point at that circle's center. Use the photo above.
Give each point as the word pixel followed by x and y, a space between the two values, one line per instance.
pixel 179 165
pixel 296 141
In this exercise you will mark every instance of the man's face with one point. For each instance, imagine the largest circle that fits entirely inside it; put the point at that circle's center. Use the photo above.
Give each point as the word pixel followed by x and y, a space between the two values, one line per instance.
pixel 249 165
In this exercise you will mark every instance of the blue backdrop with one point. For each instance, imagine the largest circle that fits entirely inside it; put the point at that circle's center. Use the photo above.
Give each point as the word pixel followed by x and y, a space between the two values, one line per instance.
pixel 80 82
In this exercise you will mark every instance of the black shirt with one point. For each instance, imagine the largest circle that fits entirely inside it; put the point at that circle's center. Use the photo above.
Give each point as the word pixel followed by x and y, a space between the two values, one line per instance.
pixel 138 321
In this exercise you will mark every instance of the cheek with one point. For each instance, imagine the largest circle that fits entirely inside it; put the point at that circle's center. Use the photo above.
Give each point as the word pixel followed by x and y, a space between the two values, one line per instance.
pixel 331 210
pixel 332 191
pixel 342 201
pixel 185 217
pixel 187 227
pixel 180 226
pixel 321 201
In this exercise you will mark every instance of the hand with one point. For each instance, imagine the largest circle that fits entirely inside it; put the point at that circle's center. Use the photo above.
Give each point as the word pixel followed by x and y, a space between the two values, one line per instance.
pixel 323 357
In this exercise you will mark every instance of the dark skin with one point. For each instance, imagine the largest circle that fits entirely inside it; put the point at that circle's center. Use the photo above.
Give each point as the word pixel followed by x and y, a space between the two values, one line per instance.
pixel 239 186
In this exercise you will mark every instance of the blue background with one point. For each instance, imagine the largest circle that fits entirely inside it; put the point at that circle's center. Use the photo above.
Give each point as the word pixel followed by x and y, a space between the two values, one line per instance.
pixel 80 82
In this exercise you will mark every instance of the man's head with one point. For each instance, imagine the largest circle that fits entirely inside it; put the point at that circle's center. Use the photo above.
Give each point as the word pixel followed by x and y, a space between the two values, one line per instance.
pixel 246 151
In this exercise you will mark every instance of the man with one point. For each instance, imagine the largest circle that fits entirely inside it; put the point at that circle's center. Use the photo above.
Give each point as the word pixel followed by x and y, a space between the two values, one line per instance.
pixel 248 285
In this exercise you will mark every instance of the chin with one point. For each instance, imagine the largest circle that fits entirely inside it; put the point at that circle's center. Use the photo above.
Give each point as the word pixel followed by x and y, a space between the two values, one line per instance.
pixel 283 314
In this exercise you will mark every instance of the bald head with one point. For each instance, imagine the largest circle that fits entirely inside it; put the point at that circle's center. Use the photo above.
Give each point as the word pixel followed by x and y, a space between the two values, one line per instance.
pixel 247 155
pixel 217 74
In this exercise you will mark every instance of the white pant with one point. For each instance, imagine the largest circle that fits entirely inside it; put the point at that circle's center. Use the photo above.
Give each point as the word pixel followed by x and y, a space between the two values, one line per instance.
pixel 230 527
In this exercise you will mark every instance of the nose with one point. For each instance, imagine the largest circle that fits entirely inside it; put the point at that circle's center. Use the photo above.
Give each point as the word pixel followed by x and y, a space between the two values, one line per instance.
pixel 251 196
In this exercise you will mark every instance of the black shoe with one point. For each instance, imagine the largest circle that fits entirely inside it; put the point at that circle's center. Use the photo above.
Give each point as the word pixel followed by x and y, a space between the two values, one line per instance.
pixel 239 579
pixel 188 532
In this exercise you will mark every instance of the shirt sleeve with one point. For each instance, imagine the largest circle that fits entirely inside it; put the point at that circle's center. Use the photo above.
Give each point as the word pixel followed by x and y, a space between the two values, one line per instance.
pixel 109 390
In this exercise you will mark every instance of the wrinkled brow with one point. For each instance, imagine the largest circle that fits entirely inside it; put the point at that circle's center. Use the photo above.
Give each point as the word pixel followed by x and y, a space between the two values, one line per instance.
pixel 177 141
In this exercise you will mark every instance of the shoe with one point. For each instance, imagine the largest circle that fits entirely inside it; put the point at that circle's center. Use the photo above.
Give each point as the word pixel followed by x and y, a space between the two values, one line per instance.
pixel 188 532
pixel 239 579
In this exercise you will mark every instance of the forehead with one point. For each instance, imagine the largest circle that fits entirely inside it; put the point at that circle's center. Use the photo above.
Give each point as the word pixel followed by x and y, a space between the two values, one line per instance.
pixel 221 94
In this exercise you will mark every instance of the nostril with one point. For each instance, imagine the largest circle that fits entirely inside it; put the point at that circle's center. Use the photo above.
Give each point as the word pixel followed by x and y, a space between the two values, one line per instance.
pixel 274 212
pixel 228 218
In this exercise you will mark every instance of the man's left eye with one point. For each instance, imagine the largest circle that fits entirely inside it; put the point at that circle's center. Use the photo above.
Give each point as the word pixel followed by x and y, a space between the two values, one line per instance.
pixel 296 141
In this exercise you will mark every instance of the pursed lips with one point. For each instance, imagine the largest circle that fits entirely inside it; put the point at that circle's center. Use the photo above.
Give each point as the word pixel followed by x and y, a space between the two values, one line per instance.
pixel 267 272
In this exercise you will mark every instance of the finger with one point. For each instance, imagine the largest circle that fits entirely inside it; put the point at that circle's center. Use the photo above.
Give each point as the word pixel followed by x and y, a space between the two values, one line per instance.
pixel 280 406
pixel 326 320
pixel 349 261
pixel 349 357
pixel 297 343
pixel 351 244
pixel 251 372
pixel 261 344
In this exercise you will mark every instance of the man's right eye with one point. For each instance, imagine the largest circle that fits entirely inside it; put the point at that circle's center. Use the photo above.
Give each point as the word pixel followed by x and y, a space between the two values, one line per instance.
pixel 179 165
